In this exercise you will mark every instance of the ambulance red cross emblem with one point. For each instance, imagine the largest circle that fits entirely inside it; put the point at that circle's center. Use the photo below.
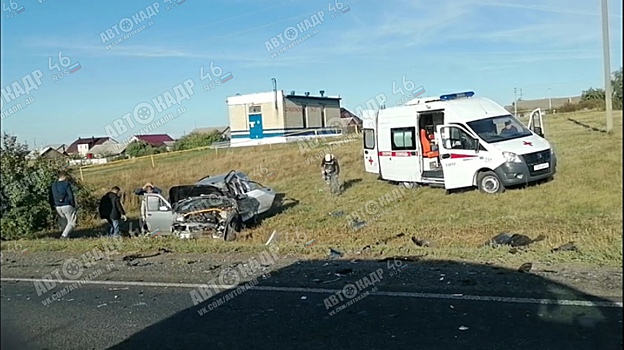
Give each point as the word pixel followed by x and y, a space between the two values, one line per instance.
pixel 370 160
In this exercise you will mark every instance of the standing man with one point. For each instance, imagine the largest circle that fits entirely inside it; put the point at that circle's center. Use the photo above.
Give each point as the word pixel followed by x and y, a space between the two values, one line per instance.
pixel 147 188
pixel 112 211
pixel 63 202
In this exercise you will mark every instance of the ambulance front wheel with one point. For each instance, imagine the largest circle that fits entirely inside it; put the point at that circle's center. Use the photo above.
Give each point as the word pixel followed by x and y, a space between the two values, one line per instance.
pixel 410 185
pixel 488 182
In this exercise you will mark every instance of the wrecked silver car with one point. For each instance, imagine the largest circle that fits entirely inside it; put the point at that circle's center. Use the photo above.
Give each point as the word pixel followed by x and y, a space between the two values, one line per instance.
pixel 218 206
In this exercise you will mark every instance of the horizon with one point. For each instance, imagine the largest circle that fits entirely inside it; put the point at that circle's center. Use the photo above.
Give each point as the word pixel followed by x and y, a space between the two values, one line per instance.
pixel 112 69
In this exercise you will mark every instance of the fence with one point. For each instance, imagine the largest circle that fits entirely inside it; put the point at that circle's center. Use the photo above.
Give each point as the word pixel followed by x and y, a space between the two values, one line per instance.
pixel 216 147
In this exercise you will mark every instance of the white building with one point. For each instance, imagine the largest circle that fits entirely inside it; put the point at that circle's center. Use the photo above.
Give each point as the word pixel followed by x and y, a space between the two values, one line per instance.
pixel 273 117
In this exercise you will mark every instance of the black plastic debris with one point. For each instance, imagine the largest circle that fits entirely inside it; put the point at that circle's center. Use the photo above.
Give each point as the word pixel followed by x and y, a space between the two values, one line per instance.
pixel 138 256
pixel 526 267
pixel 357 224
pixel 421 242
pixel 334 254
pixel 568 247
pixel 514 240
pixel 337 214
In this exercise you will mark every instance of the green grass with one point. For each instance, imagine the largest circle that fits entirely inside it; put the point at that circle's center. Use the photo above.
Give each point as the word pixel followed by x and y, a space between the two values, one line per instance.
pixel 583 204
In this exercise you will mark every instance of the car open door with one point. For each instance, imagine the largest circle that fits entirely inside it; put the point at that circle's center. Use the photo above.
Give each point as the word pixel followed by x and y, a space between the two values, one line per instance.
pixel 264 196
pixel 159 214
pixel 536 123
pixel 458 155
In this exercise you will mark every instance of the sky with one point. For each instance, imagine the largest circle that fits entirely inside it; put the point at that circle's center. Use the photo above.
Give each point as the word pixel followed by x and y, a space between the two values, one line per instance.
pixel 74 69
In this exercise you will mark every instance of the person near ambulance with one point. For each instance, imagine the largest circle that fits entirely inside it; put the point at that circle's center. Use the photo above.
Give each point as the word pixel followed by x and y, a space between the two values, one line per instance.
pixel 329 166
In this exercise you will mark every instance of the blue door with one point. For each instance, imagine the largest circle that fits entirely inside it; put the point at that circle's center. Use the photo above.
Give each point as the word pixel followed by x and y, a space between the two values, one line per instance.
pixel 255 126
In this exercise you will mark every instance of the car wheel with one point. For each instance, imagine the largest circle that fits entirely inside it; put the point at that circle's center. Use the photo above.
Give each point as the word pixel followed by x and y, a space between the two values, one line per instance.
pixel 232 230
pixel 488 182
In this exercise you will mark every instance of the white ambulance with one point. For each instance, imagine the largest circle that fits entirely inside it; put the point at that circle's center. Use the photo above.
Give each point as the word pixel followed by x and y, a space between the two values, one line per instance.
pixel 456 141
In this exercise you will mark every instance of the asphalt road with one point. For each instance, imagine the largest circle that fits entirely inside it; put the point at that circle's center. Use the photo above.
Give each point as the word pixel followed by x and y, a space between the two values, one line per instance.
pixel 280 315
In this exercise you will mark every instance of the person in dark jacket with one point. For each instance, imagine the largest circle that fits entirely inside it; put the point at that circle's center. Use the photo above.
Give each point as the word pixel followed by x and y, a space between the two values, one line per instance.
pixel 62 201
pixel 112 211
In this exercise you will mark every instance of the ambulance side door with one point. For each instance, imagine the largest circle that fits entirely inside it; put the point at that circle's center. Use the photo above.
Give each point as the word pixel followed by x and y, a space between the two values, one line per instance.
pixel 459 155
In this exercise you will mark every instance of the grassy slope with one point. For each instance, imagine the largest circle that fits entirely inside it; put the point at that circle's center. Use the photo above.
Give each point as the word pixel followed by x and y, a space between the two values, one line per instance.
pixel 583 204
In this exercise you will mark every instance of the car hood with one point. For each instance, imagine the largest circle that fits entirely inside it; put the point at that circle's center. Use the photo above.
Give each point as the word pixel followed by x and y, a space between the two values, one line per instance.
pixel 178 193
pixel 523 145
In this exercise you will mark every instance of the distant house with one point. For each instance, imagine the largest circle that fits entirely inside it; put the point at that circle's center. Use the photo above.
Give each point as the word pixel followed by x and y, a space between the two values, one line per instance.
pixel 107 150
pixel 82 146
pixel 155 140
pixel 544 104
pixel 223 130
pixel 350 118
pixel 48 152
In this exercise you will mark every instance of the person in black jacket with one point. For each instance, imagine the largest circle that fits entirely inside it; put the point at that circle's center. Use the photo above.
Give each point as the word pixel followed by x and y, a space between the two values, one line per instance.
pixel 112 211
pixel 62 201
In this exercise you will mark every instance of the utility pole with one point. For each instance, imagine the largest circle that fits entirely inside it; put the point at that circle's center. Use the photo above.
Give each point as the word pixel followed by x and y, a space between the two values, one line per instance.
pixel 549 101
pixel 515 102
pixel 607 64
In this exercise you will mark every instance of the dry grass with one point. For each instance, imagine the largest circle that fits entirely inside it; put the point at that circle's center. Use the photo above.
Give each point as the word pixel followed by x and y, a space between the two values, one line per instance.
pixel 583 203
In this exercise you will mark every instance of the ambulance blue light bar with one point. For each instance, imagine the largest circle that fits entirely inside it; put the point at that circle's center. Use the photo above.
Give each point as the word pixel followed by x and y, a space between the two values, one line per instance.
pixel 456 95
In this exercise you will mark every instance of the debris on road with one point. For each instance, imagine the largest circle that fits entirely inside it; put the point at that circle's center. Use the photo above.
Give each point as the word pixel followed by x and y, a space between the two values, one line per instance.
pixel 357 224
pixel 463 328
pixel 138 256
pixel 102 305
pixel 332 281
pixel 343 272
pixel 117 288
pixel 271 238
pixel 421 242
pixel 568 247
pixel 337 214
pixel 514 240
pixel 334 254
pixel 526 267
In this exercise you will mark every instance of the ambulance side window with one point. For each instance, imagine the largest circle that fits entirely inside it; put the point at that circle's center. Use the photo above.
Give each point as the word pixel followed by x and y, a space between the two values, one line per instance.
pixel 403 138
pixel 369 139
pixel 459 139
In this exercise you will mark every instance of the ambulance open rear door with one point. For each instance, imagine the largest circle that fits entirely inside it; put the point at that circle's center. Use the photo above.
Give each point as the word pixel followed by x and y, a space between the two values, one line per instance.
pixel 369 131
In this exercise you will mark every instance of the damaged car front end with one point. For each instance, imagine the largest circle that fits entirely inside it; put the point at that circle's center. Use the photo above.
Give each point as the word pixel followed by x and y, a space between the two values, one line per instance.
pixel 212 214
pixel 217 206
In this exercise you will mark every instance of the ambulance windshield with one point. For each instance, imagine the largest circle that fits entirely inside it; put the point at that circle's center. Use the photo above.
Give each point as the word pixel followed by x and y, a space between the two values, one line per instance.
pixel 501 128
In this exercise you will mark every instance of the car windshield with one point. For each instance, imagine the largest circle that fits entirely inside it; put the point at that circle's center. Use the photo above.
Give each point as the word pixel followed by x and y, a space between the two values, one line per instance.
pixel 501 128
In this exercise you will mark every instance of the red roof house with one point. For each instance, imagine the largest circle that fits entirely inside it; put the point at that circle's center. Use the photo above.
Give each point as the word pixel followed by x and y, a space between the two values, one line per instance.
pixel 83 145
pixel 155 140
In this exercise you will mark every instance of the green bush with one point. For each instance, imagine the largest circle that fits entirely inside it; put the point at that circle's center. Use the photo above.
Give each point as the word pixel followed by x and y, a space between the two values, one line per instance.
pixel 24 188
pixel 196 140
pixel 142 148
